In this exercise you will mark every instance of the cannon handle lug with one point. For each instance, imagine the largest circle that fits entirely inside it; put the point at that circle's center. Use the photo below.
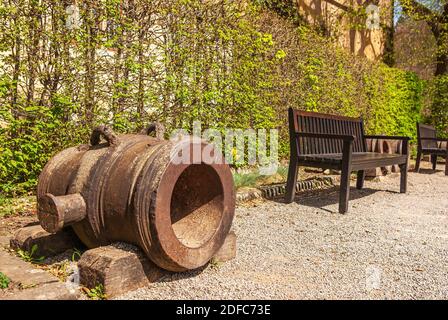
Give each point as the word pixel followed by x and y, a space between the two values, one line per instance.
pixel 105 132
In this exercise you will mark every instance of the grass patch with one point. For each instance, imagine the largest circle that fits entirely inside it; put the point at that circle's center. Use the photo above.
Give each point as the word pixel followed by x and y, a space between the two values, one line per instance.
pixel 96 293
pixel 60 270
pixel 4 281
pixel 16 206
pixel 30 256
pixel 245 180
pixel 254 179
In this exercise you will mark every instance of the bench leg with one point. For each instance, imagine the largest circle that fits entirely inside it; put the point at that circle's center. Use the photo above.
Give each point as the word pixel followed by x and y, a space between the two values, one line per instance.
pixel 291 182
pixel 417 162
pixel 446 165
pixel 403 178
pixel 346 167
pixel 344 193
pixel 360 179
pixel 434 161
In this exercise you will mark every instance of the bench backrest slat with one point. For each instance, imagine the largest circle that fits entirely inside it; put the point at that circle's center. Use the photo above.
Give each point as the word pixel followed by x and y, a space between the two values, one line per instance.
pixel 425 131
pixel 312 122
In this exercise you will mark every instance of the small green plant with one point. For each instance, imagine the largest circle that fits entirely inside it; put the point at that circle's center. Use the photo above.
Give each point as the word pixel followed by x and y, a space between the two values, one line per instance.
pixel 245 180
pixel 4 281
pixel 76 255
pixel 96 293
pixel 30 256
pixel 214 264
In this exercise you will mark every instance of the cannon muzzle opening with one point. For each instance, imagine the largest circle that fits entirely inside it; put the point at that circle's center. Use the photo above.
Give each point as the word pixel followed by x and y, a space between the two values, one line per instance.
pixel 196 205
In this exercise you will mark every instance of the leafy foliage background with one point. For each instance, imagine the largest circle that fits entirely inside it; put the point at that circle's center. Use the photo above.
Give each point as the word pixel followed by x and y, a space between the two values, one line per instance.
pixel 126 63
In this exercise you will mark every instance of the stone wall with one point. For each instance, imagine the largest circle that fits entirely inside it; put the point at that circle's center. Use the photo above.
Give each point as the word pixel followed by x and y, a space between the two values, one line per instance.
pixel 338 18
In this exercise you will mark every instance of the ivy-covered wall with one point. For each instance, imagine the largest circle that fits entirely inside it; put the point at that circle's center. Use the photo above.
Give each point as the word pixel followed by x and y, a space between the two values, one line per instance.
pixel 437 110
pixel 396 99
pixel 126 63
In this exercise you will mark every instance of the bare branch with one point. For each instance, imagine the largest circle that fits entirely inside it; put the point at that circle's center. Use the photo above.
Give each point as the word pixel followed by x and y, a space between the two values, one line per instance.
pixel 348 8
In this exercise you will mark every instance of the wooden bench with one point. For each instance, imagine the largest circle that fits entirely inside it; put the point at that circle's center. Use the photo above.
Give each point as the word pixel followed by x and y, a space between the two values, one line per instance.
pixel 336 142
pixel 428 143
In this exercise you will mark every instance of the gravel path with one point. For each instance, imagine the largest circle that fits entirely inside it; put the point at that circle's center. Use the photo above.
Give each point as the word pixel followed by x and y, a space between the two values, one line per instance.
pixel 389 246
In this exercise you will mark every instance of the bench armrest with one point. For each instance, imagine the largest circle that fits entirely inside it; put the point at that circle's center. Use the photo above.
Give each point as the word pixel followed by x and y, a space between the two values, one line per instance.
pixel 387 137
pixel 344 137
pixel 347 139
pixel 405 141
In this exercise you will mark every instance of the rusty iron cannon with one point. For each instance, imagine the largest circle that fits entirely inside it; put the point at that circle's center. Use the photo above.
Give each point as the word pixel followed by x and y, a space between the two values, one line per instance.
pixel 128 189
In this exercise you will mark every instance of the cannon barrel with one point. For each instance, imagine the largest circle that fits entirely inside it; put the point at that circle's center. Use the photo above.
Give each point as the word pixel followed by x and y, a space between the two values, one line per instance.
pixel 129 189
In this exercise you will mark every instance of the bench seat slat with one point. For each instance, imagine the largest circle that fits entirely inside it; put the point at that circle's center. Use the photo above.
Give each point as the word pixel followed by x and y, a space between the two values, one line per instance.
pixel 360 160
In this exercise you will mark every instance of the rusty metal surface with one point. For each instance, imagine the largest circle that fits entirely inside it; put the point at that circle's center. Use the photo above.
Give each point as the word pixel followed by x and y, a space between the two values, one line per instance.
pixel 179 214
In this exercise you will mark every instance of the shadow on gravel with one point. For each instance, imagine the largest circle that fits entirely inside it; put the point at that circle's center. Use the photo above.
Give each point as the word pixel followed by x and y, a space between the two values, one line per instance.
pixel 429 171
pixel 34 223
pixel 175 276
pixel 322 198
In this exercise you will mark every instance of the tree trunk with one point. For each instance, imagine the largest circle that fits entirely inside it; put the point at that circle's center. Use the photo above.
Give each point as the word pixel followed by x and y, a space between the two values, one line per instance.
pixel 442 64
pixel 389 31
pixel 16 73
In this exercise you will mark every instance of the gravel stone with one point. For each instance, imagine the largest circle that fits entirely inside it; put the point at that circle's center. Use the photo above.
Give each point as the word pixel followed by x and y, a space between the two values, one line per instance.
pixel 389 246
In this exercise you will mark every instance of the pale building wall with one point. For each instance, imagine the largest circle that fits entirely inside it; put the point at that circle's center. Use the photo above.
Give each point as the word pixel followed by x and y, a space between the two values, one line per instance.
pixel 333 16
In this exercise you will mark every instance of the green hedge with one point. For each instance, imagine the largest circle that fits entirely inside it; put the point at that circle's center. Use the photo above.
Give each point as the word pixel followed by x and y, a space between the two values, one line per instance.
pixel 316 76
pixel 438 104
pixel 219 64
pixel 397 101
